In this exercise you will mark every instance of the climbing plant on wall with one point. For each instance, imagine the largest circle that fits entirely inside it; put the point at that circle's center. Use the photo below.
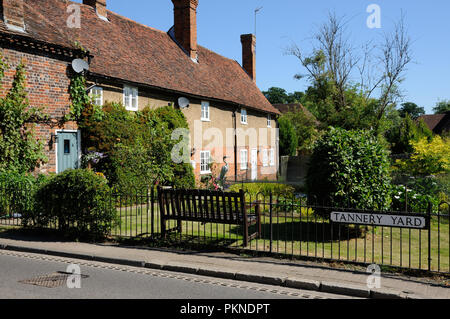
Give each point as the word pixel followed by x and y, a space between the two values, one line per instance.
pixel 78 95
pixel 20 150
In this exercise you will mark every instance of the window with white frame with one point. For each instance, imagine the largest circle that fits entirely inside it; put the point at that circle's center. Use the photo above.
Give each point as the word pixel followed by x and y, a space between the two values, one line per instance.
pixel 205 111
pixel 97 95
pixel 244 116
pixel 269 120
pixel 205 161
pixel 272 157
pixel 265 159
pixel 244 159
pixel 130 98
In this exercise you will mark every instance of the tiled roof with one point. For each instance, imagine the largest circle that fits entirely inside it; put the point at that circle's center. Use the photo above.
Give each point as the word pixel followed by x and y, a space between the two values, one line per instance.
pixel 127 50
pixel 294 107
pixel 432 121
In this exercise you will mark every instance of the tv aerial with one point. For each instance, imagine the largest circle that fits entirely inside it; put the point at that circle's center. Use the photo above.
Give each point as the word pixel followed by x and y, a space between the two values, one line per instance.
pixel 183 102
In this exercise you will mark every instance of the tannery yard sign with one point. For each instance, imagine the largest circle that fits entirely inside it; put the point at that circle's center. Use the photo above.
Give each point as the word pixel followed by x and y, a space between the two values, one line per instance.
pixel 403 221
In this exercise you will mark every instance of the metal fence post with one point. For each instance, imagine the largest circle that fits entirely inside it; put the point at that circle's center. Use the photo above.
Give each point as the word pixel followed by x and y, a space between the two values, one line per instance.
pixel 152 212
pixel 430 207
pixel 271 223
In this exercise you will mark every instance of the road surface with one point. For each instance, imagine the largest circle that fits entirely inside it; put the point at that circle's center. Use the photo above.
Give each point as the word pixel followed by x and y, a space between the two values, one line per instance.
pixel 106 281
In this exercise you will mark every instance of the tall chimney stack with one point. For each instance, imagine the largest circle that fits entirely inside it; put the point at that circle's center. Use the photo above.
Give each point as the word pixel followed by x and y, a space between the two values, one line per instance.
pixel 249 54
pixel 98 5
pixel 13 14
pixel 185 25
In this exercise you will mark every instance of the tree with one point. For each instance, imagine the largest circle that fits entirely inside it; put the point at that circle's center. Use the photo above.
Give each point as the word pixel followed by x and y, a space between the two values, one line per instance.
pixel 306 128
pixel 277 95
pixel 412 109
pixel 333 64
pixel 402 136
pixel 442 107
pixel 288 137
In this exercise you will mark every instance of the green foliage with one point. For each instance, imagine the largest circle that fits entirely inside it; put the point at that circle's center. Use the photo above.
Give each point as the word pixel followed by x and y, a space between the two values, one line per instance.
pixel 78 202
pixel 78 95
pixel 415 201
pixel 358 112
pixel 264 189
pixel 402 135
pixel 306 128
pixel 412 109
pixel 16 194
pixel 442 107
pixel 429 157
pixel 277 95
pixel 20 151
pixel 349 169
pixel 136 146
pixel 288 137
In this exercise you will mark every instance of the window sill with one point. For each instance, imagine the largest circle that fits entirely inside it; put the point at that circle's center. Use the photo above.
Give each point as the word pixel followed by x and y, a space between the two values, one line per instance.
pixel 205 173
pixel 205 120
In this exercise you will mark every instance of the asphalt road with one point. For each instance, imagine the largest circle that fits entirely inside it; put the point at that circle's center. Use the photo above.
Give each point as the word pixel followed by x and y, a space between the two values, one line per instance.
pixel 106 281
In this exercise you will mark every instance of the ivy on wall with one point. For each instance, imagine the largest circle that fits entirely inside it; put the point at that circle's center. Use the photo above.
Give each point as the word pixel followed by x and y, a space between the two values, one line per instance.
pixel 79 97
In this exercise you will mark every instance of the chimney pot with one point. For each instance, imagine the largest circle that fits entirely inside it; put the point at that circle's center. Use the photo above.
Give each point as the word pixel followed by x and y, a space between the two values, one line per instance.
pixel 249 55
pixel 13 14
pixel 185 25
pixel 98 5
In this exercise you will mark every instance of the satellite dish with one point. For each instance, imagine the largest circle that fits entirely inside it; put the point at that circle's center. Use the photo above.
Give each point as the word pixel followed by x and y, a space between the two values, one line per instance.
pixel 183 102
pixel 79 65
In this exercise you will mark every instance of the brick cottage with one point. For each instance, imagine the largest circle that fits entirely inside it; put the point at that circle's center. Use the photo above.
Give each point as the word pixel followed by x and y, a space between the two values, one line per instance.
pixel 139 66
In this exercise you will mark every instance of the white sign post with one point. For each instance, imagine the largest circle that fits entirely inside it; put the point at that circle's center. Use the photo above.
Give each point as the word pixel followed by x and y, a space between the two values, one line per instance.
pixel 402 221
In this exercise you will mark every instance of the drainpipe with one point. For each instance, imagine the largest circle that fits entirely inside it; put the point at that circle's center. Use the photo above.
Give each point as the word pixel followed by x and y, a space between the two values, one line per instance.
pixel 235 146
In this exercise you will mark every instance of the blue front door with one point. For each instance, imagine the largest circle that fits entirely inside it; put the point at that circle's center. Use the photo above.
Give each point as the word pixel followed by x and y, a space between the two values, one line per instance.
pixel 68 155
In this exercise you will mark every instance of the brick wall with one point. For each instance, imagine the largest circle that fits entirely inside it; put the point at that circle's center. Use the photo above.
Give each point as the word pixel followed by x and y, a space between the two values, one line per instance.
pixel 47 84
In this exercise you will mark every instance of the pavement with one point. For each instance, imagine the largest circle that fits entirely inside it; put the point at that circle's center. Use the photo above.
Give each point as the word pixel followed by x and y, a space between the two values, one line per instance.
pixel 263 270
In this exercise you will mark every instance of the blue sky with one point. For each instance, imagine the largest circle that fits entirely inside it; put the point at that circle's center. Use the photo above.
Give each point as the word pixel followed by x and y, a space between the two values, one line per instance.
pixel 283 22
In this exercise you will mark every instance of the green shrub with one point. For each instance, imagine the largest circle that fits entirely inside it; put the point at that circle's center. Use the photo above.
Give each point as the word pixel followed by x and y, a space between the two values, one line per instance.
pixel 264 190
pixel 16 194
pixel 349 169
pixel 136 147
pixel 77 202
pixel 417 202
pixel 288 137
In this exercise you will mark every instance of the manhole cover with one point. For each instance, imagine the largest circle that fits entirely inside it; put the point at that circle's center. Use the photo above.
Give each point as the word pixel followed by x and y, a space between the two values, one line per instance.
pixel 54 280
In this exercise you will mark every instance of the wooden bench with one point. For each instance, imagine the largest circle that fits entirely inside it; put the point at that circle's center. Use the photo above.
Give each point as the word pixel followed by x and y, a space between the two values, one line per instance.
pixel 205 206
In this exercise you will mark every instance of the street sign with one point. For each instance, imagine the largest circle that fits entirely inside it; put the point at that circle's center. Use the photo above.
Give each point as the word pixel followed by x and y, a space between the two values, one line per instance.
pixel 402 221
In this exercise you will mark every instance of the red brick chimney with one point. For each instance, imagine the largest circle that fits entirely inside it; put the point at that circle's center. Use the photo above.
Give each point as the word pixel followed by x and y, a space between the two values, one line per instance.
pixel 185 25
pixel 98 5
pixel 249 54
pixel 13 14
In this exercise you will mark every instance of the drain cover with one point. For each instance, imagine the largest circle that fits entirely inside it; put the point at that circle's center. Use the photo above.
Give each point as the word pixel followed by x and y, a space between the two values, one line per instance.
pixel 54 280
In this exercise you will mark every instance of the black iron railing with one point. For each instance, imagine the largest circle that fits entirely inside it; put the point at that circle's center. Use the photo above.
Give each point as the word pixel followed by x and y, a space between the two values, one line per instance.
pixel 291 227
